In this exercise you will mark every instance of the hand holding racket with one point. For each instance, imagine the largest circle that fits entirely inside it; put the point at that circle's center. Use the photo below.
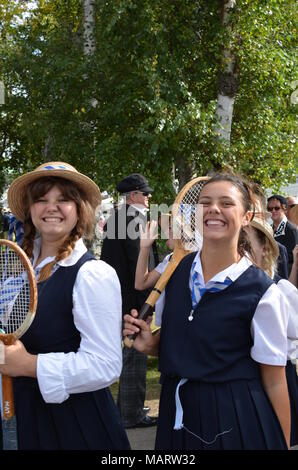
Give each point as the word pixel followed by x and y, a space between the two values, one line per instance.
pixel 187 238
pixel 18 302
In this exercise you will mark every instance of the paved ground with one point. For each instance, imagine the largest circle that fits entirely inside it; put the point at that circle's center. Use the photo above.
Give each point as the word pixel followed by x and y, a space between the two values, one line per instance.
pixel 142 439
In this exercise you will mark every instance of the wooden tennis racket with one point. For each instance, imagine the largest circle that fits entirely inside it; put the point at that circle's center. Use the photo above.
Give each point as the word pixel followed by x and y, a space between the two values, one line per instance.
pixel 18 302
pixel 188 237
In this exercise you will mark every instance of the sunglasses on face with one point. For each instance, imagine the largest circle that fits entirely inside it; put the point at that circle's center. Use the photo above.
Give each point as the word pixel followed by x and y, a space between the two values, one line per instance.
pixel 290 206
pixel 276 208
pixel 145 193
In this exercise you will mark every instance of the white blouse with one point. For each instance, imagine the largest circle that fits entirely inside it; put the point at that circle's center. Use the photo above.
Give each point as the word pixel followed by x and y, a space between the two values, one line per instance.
pixel 163 264
pixel 290 293
pixel 160 303
pixel 269 323
pixel 97 313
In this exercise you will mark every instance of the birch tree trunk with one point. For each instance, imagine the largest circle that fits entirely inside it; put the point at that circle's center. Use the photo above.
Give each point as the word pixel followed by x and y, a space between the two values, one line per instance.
pixel 89 44
pixel 184 170
pixel 2 93
pixel 88 26
pixel 227 81
pixel 46 149
pixel 89 47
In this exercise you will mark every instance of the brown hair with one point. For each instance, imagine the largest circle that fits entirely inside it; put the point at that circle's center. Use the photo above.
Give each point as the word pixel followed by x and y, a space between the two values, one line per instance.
pixel 83 227
pixel 248 203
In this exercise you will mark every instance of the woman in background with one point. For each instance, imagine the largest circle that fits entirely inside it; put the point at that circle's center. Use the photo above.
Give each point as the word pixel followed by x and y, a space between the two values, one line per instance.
pixel 265 253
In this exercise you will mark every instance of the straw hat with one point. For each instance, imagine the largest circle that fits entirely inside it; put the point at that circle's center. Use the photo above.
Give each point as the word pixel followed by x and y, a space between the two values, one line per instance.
pixel 262 225
pixel 18 187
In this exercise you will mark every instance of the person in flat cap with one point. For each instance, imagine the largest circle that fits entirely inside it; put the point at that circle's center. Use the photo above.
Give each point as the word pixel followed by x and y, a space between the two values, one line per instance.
pixel 284 231
pixel 71 354
pixel 120 249
pixel 134 183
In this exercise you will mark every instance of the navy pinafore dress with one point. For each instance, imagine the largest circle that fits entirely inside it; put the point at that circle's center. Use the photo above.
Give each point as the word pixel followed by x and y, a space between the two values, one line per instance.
pixel 84 421
pixel 224 391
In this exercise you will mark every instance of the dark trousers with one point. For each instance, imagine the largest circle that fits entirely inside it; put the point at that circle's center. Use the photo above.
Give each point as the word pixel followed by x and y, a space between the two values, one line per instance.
pixel 132 387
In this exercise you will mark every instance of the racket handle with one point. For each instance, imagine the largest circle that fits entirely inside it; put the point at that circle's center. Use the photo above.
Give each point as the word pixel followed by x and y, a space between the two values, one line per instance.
pixel 7 397
pixel 9 425
pixel 144 313
pixel 10 439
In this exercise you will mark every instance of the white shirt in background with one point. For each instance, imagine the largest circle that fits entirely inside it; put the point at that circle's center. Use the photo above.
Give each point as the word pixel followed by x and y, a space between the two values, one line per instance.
pixel 290 292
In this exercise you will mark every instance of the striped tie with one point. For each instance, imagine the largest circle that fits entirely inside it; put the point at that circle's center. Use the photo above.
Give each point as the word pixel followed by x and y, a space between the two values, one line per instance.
pixel 198 290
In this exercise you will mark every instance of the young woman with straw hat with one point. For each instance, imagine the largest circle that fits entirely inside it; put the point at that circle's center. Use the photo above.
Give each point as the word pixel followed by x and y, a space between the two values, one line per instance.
pixel 66 361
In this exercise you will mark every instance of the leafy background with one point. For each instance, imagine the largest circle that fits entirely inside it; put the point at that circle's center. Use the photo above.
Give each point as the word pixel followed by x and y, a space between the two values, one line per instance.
pixel 145 99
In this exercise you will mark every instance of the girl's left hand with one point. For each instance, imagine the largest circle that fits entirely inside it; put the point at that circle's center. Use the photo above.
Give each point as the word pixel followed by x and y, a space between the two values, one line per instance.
pixel 18 362
pixel 149 234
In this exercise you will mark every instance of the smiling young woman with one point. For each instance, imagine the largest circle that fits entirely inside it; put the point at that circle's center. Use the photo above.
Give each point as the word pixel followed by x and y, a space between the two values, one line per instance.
pixel 54 214
pixel 55 209
pixel 71 353
pixel 223 220
pixel 223 375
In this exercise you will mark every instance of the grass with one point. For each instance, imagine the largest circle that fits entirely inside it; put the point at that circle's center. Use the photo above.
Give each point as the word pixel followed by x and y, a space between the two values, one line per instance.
pixel 153 375
pixel 152 384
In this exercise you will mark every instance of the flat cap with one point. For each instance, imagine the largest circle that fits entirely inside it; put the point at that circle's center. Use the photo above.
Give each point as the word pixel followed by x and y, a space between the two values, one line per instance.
pixel 134 182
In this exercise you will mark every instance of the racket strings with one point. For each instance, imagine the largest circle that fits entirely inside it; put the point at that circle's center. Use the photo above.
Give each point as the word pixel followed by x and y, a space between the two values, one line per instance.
pixel 14 291
pixel 188 219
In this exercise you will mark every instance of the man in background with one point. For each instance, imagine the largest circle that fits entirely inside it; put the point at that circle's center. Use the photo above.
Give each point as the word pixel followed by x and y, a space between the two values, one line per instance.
pixel 120 249
pixel 284 231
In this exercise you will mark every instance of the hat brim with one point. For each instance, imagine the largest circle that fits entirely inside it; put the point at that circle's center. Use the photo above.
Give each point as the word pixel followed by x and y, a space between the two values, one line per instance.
pixel 17 189
pixel 259 225
pixel 146 189
pixel 143 189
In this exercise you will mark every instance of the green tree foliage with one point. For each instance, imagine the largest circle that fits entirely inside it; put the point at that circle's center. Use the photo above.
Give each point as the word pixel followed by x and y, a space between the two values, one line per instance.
pixel 264 118
pixel 154 78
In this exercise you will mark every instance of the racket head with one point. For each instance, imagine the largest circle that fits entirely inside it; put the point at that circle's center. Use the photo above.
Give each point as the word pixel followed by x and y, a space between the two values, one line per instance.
pixel 187 227
pixel 187 217
pixel 18 292
pixel 188 237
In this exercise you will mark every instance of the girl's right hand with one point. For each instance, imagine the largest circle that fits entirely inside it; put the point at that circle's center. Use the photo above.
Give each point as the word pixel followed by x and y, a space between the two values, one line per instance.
pixel 148 235
pixel 132 324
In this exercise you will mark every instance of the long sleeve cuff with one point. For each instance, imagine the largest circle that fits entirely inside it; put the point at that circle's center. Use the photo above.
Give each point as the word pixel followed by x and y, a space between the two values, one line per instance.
pixel 50 377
